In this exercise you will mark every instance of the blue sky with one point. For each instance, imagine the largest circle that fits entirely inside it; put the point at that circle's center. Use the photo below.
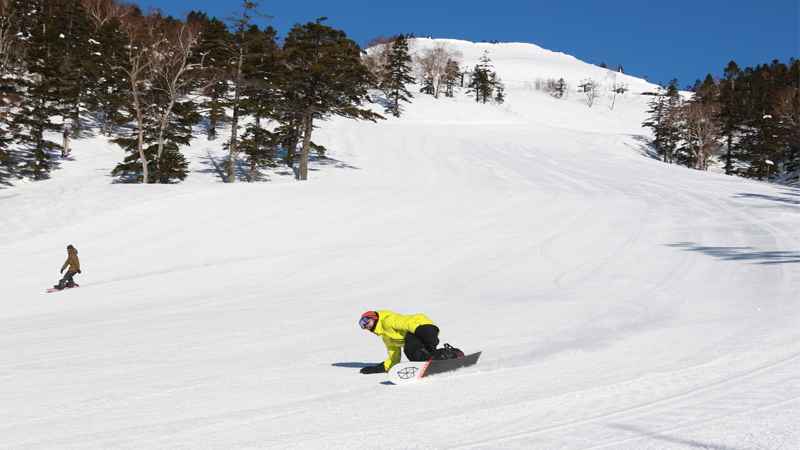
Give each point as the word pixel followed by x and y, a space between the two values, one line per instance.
pixel 683 39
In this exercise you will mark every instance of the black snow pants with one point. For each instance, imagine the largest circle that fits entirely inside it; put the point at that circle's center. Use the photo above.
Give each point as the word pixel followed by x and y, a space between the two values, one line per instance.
pixel 67 280
pixel 421 344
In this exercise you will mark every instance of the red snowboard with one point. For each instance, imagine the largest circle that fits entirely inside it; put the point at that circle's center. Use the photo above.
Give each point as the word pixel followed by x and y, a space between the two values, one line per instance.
pixel 65 288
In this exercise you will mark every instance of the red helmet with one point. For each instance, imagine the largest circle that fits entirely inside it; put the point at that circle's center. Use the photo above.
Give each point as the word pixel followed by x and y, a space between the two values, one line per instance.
pixel 366 317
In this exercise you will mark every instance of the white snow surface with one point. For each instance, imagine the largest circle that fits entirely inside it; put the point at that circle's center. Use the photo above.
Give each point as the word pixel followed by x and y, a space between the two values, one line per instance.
pixel 619 302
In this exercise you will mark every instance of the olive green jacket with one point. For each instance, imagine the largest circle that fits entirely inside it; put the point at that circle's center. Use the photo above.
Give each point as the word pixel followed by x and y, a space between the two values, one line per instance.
pixel 72 261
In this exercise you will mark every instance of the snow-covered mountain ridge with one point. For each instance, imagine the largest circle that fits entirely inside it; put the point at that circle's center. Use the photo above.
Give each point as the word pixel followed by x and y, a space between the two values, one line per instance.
pixel 520 64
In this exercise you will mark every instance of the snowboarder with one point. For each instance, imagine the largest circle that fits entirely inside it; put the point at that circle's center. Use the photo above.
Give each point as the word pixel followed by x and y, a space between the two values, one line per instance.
pixel 416 335
pixel 74 267
pixel 65 148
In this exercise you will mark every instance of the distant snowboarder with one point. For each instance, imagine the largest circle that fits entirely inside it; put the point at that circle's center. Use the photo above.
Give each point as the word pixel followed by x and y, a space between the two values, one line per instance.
pixel 416 336
pixel 65 148
pixel 74 267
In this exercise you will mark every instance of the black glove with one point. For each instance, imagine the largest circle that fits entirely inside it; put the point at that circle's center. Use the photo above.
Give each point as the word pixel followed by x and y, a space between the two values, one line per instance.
pixel 62 270
pixel 79 270
pixel 380 368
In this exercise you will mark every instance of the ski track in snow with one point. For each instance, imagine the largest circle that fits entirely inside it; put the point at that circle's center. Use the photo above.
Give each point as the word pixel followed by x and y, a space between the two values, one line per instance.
pixel 619 302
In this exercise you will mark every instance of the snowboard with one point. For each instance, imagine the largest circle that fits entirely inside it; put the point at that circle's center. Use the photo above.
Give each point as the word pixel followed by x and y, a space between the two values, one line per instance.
pixel 414 371
pixel 65 288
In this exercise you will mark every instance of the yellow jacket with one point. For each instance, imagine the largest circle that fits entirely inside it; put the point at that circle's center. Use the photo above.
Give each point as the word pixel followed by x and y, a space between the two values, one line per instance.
pixel 393 328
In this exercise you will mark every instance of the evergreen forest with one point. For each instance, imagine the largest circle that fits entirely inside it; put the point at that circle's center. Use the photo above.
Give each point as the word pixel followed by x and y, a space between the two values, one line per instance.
pixel 749 119
pixel 143 80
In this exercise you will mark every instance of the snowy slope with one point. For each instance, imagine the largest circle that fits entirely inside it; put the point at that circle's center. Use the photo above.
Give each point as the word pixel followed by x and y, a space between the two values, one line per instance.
pixel 620 302
pixel 520 64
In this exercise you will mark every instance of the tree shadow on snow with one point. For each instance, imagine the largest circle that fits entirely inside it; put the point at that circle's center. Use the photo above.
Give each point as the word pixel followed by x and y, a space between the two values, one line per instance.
pixel 787 199
pixel 645 147
pixel 675 440
pixel 315 163
pixel 742 253
pixel 90 127
pixel 379 98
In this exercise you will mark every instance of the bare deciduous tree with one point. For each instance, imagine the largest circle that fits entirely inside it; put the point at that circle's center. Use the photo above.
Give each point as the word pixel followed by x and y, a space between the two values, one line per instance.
pixel 139 32
pixel 174 73
pixel 8 36
pixel 377 56
pixel 101 11
pixel 701 131
pixel 434 63
pixel 240 24
pixel 787 112
pixel 557 88
pixel 616 88
pixel 787 109
pixel 593 89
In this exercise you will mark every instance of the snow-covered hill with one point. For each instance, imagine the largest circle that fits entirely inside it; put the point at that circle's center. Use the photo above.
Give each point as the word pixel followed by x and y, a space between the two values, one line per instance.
pixel 520 65
pixel 620 302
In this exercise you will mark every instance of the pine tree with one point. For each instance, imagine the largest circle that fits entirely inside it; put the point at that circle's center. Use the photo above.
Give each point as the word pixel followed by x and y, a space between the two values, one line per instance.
pixel 485 81
pixel 78 74
pixel 787 113
pixel 327 77
pixel 730 95
pixel 60 42
pixel 14 30
pixel 479 81
pixel 499 88
pixel 561 88
pixel 398 70
pixel 240 51
pixel 172 163
pixel 706 91
pixel 427 86
pixel 452 74
pixel 43 89
pixel 215 44
pixel 8 96
pixel 289 132
pixel 759 139
pixel 261 99
pixel 106 94
pixel 663 120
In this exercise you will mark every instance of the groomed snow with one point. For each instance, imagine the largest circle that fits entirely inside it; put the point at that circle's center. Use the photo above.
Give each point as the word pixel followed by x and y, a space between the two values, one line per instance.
pixel 619 302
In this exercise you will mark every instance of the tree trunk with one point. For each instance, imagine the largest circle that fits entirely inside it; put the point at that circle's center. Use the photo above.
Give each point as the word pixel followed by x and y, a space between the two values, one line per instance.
pixel 212 129
pixel 728 156
pixel 163 124
pixel 235 121
pixel 65 146
pixel 140 123
pixel 233 150
pixel 308 122
pixel 212 120
pixel 302 174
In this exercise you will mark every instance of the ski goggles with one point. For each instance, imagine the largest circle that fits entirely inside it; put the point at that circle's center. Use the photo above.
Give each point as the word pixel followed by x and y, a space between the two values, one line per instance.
pixel 365 321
